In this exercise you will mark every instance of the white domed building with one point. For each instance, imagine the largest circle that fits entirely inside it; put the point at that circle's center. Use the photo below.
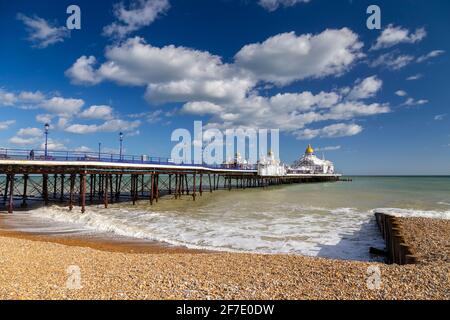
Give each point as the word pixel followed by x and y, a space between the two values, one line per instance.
pixel 269 166
pixel 309 163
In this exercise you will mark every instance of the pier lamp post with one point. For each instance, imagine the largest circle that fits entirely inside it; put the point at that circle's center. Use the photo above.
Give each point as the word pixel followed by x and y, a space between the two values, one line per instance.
pixel 121 144
pixel 46 127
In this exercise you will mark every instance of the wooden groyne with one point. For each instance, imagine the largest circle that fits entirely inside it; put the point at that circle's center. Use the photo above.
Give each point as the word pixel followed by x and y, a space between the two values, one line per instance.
pixel 397 250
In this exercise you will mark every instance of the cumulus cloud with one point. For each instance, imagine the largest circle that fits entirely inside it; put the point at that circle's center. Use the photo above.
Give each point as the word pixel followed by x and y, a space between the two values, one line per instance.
pixel 393 35
pixel 63 106
pixel 44 118
pixel 140 13
pixel 228 93
pixel 272 5
pixel 430 55
pixel 97 112
pixel 41 33
pixel 114 125
pixel 366 88
pixel 286 57
pixel 401 93
pixel 82 71
pixel 7 98
pixel 331 131
pixel 27 137
pixel 440 117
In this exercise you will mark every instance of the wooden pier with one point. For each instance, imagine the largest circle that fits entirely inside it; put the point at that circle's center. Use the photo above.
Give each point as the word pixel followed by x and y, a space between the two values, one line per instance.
pixel 84 181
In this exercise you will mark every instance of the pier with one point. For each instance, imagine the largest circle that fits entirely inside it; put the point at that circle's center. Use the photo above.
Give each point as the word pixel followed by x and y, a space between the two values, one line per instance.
pixel 81 179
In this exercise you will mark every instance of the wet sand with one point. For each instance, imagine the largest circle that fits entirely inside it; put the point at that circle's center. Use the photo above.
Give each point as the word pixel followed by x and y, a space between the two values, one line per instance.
pixel 40 267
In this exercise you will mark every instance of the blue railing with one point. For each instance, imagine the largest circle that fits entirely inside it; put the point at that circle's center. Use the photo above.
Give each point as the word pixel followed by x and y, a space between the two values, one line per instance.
pixel 39 155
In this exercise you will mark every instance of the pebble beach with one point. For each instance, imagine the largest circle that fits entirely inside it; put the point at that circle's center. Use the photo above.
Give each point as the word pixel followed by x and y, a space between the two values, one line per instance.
pixel 39 268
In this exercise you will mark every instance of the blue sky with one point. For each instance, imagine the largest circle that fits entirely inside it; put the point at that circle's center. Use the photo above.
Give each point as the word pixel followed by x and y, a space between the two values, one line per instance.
pixel 375 101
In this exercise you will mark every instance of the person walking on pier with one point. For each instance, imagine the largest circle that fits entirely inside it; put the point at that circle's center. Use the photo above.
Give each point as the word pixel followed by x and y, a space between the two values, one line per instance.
pixel 32 154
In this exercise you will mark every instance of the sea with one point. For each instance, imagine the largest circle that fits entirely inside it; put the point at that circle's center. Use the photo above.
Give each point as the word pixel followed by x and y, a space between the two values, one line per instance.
pixel 332 219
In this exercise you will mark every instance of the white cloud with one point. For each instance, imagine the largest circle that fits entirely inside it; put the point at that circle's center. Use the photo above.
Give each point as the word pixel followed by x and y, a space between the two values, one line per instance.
pixel 97 112
pixel 401 93
pixel 431 55
pixel 6 124
pixel 114 125
pixel 141 13
pixel 414 77
pixel 272 5
pixel 413 102
pixel 83 149
pixel 7 98
pixel 44 118
pixel 27 137
pixel 328 148
pixel 440 117
pixel 63 106
pixel 366 88
pixel 54 145
pixel 332 131
pixel 286 57
pixel 392 61
pixel 393 35
pixel 41 33
pixel 82 71
pixel 31 97
pixel 202 108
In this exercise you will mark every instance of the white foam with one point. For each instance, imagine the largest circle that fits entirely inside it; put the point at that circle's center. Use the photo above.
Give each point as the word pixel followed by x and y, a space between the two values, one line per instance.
pixel 344 233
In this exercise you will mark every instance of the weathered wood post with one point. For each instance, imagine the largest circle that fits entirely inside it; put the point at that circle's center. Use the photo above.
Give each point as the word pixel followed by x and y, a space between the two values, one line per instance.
pixel 5 196
pixel 200 190
pixel 210 186
pixel 170 184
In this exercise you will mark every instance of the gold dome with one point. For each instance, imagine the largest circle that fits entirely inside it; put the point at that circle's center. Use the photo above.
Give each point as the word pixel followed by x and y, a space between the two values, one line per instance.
pixel 309 149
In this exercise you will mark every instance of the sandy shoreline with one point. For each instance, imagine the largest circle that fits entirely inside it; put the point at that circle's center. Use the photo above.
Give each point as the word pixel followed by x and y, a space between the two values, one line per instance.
pixel 35 267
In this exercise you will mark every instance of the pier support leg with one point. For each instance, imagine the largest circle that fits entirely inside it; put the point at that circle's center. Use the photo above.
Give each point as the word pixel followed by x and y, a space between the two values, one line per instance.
pixel 157 187
pixel 83 192
pixel 61 197
pixel 152 188
pixel 45 188
pixel 105 193
pixel 55 181
pixel 200 190
pixel 193 187
pixel 210 186
pixel 72 186
pixel 170 184
pixel 24 196
pixel 5 196
pixel 11 194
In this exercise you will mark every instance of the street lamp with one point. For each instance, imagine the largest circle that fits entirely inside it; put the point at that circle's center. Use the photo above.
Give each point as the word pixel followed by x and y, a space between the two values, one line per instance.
pixel 121 143
pixel 46 127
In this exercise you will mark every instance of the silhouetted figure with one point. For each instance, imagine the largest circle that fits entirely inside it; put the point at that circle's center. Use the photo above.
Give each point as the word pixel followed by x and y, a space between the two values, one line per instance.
pixel 32 155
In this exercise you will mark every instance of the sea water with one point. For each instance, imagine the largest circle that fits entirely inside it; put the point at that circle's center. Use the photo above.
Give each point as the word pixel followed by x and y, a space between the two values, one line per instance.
pixel 333 220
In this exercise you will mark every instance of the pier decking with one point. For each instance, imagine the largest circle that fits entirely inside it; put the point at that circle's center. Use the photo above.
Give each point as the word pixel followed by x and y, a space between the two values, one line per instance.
pixel 71 178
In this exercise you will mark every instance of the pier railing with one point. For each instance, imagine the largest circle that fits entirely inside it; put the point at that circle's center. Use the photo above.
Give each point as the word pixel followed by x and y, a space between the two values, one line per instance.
pixel 40 155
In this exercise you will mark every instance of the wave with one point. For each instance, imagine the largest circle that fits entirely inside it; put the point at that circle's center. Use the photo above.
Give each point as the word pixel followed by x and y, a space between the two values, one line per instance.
pixel 341 233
